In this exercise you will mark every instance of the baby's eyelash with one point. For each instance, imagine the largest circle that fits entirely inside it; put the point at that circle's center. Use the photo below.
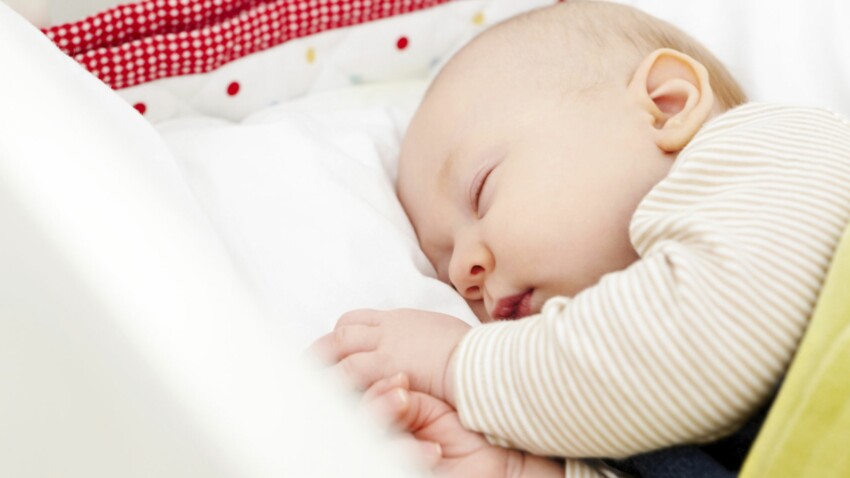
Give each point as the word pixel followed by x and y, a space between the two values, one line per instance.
pixel 478 187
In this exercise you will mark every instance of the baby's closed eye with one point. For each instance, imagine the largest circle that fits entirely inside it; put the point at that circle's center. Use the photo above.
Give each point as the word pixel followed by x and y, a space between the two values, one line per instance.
pixel 482 190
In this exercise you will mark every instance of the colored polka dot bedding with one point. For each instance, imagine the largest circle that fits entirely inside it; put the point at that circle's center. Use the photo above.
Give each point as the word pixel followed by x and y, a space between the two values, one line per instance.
pixel 136 43
pixel 229 58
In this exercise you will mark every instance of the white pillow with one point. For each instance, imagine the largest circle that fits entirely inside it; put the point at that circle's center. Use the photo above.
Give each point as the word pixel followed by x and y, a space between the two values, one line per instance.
pixel 303 195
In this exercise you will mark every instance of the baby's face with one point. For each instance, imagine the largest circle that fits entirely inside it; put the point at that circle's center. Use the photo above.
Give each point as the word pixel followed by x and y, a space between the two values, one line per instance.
pixel 520 190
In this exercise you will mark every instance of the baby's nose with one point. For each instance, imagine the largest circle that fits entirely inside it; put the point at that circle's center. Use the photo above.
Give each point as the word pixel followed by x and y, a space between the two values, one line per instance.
pixel 470 286
pixel 473 292
pixel 470 263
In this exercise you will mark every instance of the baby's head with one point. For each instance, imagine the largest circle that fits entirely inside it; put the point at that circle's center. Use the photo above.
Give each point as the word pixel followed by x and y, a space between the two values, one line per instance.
pixel 533 147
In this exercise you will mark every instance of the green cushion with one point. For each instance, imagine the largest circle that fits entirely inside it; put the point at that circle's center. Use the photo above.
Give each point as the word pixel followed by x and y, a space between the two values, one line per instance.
pixel 807 432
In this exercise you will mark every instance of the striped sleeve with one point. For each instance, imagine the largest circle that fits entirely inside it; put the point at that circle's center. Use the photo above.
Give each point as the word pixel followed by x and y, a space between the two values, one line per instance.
pixel 687 342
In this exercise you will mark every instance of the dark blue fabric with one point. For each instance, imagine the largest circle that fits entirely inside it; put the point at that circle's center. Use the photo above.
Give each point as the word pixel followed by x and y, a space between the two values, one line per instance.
pixel 720 459
pixel 676 462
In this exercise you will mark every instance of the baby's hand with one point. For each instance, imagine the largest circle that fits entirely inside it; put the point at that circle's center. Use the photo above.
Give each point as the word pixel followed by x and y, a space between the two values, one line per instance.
pixel 443 444
pixel 434 424
pixel 369 345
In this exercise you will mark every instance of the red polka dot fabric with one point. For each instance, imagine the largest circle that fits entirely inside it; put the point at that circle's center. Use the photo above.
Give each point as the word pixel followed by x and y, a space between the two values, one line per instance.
pixel 134 44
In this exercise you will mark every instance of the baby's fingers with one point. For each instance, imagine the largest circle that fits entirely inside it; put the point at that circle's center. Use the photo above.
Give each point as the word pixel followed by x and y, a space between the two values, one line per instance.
pixel 345 341
pixel 389 407
pixel 393 404
pixel 408 410
pixel 382 386
pixel 360 317
pixel 426 453
pixel 418 410
pixel 361 369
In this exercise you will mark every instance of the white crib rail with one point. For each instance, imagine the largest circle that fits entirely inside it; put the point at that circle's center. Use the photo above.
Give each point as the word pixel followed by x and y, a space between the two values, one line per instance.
pixel 129 345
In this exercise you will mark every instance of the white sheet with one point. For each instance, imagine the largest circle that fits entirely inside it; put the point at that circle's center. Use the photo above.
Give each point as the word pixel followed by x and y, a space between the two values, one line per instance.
pixel 303 194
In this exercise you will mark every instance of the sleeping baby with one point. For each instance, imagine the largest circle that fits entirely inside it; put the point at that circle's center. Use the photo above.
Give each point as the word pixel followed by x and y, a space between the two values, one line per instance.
pixel 644 247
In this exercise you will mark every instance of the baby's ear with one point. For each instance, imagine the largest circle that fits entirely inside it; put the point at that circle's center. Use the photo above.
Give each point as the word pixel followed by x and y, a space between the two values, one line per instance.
pixel 674 88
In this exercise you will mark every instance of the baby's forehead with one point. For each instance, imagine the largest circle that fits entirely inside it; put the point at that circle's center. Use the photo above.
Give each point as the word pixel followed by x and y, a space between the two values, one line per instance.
pixel 494 75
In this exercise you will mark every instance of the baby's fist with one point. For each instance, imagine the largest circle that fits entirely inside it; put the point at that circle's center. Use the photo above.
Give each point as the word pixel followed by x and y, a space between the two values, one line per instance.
pixel 369 345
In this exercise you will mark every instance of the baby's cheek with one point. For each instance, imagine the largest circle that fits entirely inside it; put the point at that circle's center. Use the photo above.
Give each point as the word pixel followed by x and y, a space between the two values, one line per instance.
pixel 479 310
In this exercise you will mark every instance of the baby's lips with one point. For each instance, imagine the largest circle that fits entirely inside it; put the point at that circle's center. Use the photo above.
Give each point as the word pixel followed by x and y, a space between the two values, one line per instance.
pixel 513 307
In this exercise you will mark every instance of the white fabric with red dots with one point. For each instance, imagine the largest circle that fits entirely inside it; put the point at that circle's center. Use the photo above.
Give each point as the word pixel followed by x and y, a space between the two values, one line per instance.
pixel 229 58
pixel 136 43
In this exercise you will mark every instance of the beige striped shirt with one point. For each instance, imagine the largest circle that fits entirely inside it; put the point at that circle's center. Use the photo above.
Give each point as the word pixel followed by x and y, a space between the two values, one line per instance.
pixel 687 342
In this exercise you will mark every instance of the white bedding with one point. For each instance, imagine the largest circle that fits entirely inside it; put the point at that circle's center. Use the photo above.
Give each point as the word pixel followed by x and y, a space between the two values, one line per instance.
pixel 302 194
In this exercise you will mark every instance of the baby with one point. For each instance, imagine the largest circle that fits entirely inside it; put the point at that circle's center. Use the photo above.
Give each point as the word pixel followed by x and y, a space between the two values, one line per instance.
pixel 645 248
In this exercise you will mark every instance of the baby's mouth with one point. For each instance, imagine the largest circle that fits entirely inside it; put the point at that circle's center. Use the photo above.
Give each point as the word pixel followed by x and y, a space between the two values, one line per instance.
pixel 513 307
